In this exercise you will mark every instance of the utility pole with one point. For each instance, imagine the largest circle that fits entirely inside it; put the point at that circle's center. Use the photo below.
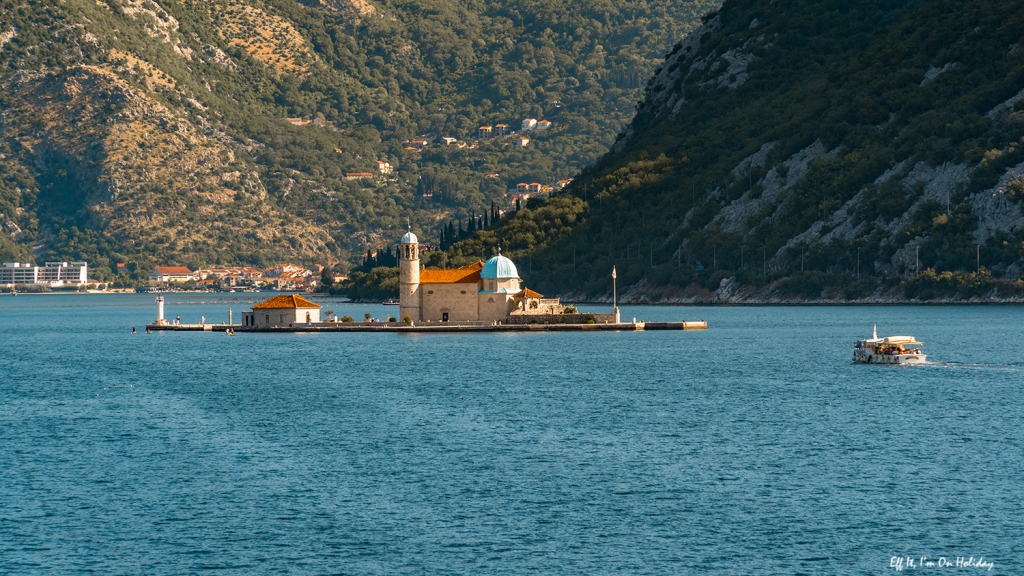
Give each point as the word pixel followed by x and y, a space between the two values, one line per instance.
pixel 979 258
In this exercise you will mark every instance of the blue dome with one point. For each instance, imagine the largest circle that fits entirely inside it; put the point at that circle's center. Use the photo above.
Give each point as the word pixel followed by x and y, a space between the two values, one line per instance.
pixel 410 238
pixel 499 267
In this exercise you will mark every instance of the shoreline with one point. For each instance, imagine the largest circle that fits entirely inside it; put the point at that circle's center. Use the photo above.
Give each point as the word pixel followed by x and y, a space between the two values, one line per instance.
pixel 622 302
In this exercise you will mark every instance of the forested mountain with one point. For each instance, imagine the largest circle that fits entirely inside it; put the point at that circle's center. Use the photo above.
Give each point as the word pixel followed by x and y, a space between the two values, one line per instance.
pixel 156 130
pixel 805 150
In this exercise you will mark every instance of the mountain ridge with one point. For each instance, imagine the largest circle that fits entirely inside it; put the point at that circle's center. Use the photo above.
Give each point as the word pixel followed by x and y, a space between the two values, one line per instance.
pixel 209 89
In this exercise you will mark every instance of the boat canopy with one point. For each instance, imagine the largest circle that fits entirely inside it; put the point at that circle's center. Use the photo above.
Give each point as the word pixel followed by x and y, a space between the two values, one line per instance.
pixel 901 340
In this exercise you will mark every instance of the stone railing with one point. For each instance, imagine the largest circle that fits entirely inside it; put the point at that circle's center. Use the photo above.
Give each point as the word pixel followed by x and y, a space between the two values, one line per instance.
pixel 584 318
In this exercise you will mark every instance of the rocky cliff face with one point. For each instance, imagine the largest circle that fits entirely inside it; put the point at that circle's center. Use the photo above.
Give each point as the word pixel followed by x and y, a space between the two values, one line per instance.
pixel 112 156
pixel 115 159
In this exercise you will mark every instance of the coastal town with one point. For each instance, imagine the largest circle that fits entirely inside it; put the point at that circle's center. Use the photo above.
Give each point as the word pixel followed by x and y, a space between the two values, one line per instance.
pixel 169 278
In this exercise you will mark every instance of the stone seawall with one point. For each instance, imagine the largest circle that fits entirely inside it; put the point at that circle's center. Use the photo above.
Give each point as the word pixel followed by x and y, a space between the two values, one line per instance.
pixel 584 318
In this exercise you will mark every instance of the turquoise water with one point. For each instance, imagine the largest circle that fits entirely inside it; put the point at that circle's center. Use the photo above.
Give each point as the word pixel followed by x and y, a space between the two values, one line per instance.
pixel 755 447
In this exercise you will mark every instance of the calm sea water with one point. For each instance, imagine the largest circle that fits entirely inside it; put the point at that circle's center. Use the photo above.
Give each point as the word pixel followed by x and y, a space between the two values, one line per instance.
pixel 756 447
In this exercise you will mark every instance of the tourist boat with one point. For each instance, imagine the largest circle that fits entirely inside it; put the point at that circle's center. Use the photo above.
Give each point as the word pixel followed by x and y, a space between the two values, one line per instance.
pixel 391 302
pixel 889 350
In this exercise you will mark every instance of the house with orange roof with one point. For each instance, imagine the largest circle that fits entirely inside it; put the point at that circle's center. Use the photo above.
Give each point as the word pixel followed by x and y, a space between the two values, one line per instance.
pixel 171 274
pixel 283 311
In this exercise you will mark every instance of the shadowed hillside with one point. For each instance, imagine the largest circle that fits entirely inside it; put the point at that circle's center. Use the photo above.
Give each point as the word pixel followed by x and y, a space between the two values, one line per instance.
pixel 807 150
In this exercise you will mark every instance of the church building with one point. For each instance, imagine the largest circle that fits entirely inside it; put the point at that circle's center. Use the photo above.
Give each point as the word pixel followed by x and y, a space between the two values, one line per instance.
pixel 483 292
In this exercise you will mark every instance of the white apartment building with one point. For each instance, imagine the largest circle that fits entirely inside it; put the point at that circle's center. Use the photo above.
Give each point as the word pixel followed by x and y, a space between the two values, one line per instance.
pixel 52 274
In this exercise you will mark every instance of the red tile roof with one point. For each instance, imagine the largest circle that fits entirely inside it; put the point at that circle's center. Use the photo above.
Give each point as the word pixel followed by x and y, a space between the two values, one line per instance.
pixel 173 270
pixel 285 301
pixel 465 275
pixel 529 293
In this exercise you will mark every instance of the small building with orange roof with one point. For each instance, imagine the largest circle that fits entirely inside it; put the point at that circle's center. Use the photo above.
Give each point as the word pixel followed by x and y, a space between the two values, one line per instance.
pixel 283 311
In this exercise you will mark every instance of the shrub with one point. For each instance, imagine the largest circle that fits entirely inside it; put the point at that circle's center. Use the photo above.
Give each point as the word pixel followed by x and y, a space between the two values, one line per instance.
pixel 347 318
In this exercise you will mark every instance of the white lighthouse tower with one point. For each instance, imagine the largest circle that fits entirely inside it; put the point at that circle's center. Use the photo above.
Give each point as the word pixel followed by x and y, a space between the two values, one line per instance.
pixel 409 298
pixel 160 309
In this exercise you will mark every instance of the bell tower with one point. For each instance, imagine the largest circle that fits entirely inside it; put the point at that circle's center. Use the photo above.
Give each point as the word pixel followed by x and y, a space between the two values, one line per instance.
pixel 409 297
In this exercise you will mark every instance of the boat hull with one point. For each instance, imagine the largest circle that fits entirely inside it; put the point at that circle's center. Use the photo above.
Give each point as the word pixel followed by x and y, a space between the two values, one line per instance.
pixel 890 358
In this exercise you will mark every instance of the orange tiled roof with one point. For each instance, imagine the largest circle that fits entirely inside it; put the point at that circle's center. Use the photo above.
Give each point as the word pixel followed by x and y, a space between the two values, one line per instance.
pixel 529 293
pixel 465 275
pixel 285 301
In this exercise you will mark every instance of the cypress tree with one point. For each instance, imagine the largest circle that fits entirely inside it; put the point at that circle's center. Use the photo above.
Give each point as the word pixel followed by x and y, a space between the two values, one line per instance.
pixel 517 204
pixel 387 257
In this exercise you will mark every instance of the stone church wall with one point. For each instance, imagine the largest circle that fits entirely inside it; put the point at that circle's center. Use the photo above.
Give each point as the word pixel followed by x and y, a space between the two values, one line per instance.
pixel 458 300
